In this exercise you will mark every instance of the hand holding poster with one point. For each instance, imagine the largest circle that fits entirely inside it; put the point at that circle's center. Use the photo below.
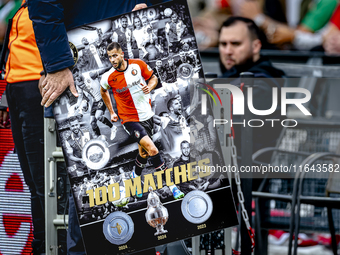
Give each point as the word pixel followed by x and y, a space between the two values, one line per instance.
pixel 140 171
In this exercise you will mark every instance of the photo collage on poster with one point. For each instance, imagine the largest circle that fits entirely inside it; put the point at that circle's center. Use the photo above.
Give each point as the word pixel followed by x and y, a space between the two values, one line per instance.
pixel 110 198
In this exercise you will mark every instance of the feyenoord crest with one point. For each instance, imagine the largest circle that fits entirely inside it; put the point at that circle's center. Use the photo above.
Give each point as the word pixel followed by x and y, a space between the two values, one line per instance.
pixel 134 72
pixel 185 71
pixel 74 52
pixel 137 134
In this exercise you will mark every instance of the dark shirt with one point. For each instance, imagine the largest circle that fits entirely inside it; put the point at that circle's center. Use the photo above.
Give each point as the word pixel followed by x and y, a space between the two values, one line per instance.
pixel 171 73
pixel 214 160
pixel 183 186
pixel 187 59
pixel 160 72
pixel 180 162
pixel 124 44
pixel 261 68
pixel 51 20
pixel 266 78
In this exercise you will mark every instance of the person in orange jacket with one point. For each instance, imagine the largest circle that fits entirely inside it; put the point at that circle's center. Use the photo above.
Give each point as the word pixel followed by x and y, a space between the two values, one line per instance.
pixel 22 74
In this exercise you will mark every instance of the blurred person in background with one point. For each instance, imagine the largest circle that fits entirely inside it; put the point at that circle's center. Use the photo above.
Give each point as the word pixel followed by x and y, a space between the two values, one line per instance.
pixel 239 48
pixel 274 9
pixel 297 33
pixel 207 18
pixel 331 42
pixel 7 10
pixel 22 74
pixel 209 15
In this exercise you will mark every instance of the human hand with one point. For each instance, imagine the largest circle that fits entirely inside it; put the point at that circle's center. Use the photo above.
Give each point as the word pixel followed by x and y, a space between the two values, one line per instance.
pixel 40 86
pixel 4 119
pixel 250 9
pixel 206 30
pixel 55 84
pixel 332 44
pixel 282 34
pixel 192 187
pixel 145 88
pixel 139 7
pixel 114 117
pixel 93 75
pixel 157 120
pixel 205 186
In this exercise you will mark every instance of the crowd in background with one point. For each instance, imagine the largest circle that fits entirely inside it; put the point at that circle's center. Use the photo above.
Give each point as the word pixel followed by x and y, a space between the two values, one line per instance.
pixel 287 24
pixel 7 10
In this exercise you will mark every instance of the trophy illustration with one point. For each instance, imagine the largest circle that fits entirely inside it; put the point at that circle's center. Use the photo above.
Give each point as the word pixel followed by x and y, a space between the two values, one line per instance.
pixel 156 214
pixel 96 153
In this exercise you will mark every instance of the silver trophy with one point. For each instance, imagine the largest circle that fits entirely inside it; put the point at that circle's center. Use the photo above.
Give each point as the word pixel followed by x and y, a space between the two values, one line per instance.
pixel 156 214
pixel 96 153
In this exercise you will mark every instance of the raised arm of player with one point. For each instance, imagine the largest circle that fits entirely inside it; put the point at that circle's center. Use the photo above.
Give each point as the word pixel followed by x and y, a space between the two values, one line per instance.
pixel 114 37
pixel 80 97
pixel 181 31
pixel 80 191
pixel 107 100
pixel 95 74
pixel 167 30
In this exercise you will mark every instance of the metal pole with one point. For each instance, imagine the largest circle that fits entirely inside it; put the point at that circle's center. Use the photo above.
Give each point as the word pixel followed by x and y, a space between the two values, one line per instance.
pixel 246 153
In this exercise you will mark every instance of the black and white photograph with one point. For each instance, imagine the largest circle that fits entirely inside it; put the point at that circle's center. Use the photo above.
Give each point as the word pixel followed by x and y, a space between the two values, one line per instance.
pixel 131 136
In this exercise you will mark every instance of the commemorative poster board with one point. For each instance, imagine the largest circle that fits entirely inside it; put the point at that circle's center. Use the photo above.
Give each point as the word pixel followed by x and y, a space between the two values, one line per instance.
pixel 127 213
